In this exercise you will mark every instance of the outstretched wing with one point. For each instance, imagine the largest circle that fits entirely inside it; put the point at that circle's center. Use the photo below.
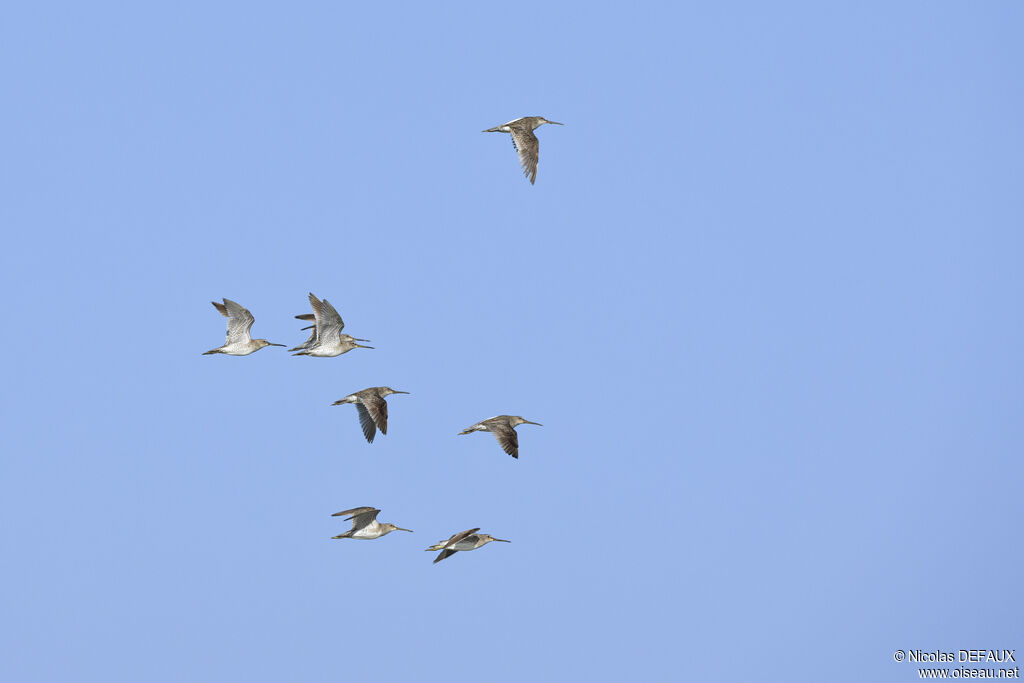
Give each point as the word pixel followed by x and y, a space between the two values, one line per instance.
pixel 240 321
pixel 360 517
pixel 366 422
pixel 444 554
pixel 317 316
pixel 507 437
pixel 328 322
pixel 349 514
pixel 455 538
pixel 378 409
pixel 528 147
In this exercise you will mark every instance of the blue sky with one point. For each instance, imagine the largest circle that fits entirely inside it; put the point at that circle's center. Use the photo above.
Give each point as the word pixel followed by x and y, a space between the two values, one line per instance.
pixel 765 298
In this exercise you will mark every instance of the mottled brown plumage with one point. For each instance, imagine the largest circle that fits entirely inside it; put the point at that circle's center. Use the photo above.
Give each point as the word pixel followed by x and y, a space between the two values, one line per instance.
pixel 326 339
pixel 238 341
pixel 464 541
pixel 373 409
pixel 503 428
pixel 365 524
pixel 525 141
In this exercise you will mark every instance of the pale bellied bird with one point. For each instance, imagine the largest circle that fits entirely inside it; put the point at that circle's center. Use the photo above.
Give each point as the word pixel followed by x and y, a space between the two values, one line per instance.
pixel 365 524
pixel 525 141
pixel 312 335
pixel 329 341
pixel 240 320
pixel 503 428
pixel 372 408
pixel 464 540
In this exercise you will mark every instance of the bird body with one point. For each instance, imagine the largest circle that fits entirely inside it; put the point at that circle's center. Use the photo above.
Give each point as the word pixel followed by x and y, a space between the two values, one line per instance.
pixel 238 341
pixel 503 428
pixel 372 408
pixel 326 340
pixel 312 335
pixel 464 540
pixel 525 141
pixel 365 524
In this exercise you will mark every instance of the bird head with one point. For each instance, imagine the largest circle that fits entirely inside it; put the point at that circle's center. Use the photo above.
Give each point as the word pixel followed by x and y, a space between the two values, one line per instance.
pixel 391 527
pixel 263 342
pixel 387 391
pixel 521 421
pixel 487 538
pixel 541 120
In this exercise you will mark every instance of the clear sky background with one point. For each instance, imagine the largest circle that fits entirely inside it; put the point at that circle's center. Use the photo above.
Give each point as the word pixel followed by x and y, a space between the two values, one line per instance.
pixel 765 298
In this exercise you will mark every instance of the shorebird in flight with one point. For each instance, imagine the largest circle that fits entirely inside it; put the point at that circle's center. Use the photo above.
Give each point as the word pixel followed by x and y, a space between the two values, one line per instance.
pixel 465 540
pixel 365 524
pixel 525 141
pixel 240 320
pixel 312 335
pixel 329 341
pixel 503 428
pixel 373 409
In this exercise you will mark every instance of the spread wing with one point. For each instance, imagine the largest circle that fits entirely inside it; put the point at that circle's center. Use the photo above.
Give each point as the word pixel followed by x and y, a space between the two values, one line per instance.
pixel 328 322
pixel 528 147
pixel 360 517
pixel 349 514
pixel 455 538
pixel 378 409
pixel 444 554
pixel 507 437
pixel 317 316
pixel 366 422
pixel 240 321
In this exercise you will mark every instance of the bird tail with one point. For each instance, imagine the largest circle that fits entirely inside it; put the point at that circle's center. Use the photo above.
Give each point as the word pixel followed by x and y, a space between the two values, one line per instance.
pixel 301 353
pixel 344 535
pixel 211 352
pixel 496 129
pixel 466 431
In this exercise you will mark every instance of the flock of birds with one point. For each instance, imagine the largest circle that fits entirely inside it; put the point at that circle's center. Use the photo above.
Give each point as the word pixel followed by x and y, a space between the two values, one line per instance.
pixel 327 340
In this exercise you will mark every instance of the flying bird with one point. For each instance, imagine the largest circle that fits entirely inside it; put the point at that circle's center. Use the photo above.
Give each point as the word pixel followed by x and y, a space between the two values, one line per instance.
pixel 503 428
pixel 465 540
pixel 329 341
pixel 525 141
pixel 365 524
pixel 373 409
pixel 240 320
pixel 312 335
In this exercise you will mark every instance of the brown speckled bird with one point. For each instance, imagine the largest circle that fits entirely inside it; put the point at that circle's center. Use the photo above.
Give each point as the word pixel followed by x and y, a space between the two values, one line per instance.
pixel 525 141
pixel 464 540
pixel 503 428
pixel 373 409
